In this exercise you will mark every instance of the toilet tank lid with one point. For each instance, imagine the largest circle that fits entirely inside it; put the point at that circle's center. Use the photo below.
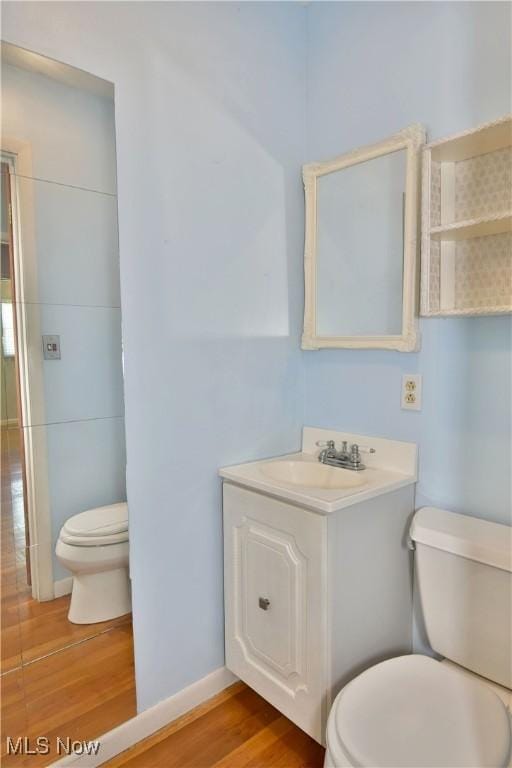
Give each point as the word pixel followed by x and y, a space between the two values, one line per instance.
pixel 469 537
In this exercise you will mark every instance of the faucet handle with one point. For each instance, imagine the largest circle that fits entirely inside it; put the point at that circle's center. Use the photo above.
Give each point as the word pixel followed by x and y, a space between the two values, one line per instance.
pixel 355 456
pixel 330 444
pixel 366 449
pixel 328 450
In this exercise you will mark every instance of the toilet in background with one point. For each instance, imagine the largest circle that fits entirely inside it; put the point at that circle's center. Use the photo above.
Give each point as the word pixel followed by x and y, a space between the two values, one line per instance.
pixel 93 545
pixel 415 711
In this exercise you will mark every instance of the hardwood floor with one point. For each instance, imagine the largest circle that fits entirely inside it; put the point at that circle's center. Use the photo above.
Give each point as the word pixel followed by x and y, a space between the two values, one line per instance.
pixel 236 729
pixel 80 692
pixel 58 678
pixel 44 627
pixel 13 574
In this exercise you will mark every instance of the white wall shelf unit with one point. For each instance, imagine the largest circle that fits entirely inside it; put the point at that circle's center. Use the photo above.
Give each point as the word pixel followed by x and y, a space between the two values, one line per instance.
pixel 467 223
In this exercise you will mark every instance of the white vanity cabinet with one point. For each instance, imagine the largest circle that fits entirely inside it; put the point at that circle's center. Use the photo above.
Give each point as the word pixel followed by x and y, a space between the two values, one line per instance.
pixel 312 599
pixel 275 600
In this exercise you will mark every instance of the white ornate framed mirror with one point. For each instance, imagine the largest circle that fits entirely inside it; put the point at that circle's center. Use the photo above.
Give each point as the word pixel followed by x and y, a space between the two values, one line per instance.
pixel 361 246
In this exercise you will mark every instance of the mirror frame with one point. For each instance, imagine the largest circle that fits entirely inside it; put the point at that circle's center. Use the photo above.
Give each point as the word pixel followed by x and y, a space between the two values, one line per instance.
pixel 411 139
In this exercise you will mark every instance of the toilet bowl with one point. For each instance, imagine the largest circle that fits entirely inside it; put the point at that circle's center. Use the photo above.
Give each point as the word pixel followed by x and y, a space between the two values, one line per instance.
pixel 93 545
pixel 414 711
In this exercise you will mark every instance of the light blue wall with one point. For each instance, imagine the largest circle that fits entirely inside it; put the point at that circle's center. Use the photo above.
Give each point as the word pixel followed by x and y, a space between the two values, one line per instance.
pixel 374 68
pixel 211 294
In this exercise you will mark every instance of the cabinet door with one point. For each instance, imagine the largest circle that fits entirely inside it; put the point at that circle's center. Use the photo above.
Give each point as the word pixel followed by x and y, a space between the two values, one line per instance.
pixel 275 602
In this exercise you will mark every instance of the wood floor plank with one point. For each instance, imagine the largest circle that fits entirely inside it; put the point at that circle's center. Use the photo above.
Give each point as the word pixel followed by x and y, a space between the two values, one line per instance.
pixel 45 628
pixel 175 725
pixel 13 721
pixel 241 731
pixel 75 694
pixel 294 750
pixel 244 715
pixel 248 754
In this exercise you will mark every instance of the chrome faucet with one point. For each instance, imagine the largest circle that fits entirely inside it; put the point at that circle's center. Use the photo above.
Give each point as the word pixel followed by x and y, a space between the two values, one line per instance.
pixel 348 459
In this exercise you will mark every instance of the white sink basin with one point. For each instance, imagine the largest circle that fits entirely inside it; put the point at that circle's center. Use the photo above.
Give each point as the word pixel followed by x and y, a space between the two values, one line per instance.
pixel 308 474
pixel 301 479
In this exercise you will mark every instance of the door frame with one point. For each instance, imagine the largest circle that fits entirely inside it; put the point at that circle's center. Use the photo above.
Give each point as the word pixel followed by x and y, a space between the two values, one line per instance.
pixel 8 163
pixel 18 155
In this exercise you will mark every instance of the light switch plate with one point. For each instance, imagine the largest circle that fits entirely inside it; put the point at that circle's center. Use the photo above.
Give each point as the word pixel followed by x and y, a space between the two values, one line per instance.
pixel 51 347
pixel 411 391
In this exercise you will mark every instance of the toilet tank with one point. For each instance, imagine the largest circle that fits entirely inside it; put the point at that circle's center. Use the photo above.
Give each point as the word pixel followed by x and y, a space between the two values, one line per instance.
pixel 463 569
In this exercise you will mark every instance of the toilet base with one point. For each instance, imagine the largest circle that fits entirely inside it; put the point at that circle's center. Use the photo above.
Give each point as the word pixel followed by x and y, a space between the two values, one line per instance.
pixel 100 596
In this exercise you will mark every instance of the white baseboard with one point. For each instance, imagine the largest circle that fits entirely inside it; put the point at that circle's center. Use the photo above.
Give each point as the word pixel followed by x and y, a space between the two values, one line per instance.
pixel 151 720
pixel 63 586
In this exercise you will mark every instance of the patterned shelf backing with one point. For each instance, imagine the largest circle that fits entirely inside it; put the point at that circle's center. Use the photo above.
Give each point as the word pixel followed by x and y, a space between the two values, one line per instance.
pixel 483 265
pixel 483 272
pixel 483 185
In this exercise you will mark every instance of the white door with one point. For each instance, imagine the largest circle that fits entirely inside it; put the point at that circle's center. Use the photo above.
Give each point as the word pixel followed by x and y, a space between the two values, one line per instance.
pixel 275 602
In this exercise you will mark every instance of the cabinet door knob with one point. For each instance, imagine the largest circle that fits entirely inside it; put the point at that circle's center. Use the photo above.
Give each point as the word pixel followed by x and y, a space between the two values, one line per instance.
pixel 264 603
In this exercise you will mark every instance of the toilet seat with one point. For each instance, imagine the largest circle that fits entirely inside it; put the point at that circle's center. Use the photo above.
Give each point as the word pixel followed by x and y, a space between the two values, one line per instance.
pixel 97 527
pixel 412 711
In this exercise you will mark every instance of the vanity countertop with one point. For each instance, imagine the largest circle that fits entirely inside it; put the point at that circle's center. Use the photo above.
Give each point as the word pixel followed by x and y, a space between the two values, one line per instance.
pixel 328 489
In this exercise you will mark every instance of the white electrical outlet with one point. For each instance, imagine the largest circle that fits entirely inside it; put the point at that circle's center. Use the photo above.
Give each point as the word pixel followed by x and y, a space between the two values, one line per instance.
pixel 411 391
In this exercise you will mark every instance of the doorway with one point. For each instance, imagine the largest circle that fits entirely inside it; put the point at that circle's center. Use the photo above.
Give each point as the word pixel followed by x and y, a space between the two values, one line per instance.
pixel 15 528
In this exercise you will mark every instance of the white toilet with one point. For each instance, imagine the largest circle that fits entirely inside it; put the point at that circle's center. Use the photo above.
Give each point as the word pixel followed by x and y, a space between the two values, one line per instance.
pixel 415 711
pixel 93 545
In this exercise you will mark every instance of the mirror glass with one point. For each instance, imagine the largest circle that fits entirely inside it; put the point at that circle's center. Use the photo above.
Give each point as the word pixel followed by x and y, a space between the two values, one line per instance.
pixel 360 248
pixel 69 662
